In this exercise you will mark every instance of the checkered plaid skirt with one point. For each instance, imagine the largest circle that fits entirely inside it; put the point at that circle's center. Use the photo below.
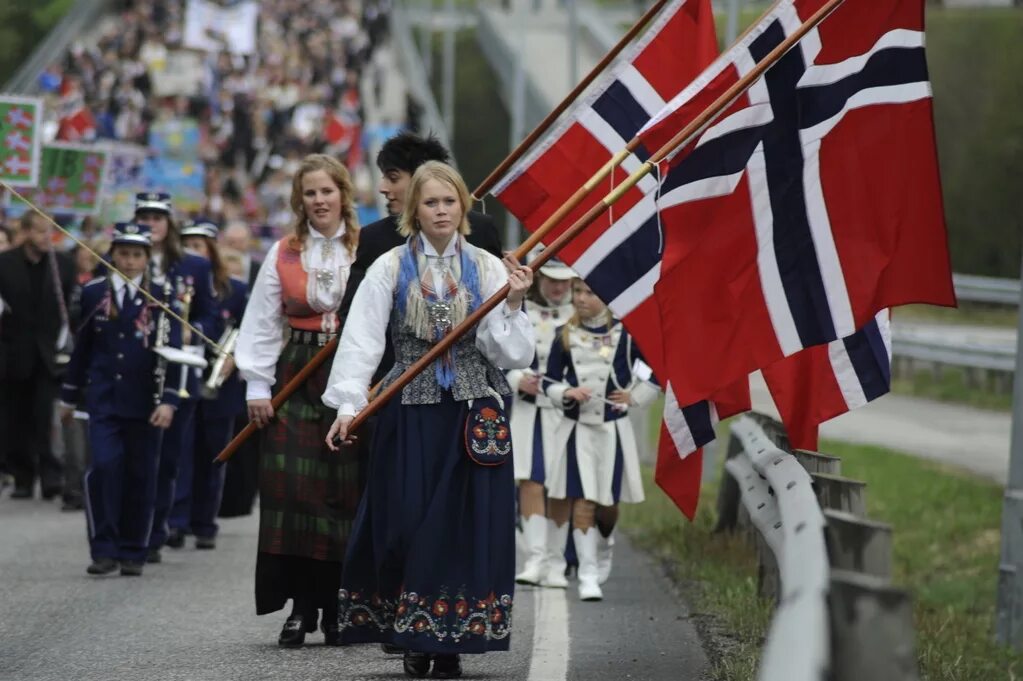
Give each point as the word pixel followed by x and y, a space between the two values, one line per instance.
pixel 308 495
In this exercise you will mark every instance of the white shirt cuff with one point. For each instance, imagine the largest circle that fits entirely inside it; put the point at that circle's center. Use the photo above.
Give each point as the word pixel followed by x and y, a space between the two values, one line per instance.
pixel 346 409
pixel 257 390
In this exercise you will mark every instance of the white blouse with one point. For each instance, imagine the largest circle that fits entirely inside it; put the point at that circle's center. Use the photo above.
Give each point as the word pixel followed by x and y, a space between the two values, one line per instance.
pixel 504 336
pixel 261 337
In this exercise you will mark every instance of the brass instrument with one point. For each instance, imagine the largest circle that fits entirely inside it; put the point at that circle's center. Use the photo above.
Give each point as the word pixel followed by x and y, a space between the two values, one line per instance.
pixel 162 339
pixel 228 341
pixel 186 338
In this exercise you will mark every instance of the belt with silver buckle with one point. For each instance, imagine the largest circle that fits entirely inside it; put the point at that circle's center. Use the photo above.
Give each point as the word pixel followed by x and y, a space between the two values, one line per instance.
pixel 311 337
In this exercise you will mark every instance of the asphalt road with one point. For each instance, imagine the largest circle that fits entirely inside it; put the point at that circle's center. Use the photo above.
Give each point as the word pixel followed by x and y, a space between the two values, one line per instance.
pixel 193 618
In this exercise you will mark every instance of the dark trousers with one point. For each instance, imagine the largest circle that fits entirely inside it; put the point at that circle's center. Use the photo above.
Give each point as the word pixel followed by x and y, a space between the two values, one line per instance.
pixel 178 443
pixel 120 486
pixel 28 406
pixel 201 483
pixel 241 482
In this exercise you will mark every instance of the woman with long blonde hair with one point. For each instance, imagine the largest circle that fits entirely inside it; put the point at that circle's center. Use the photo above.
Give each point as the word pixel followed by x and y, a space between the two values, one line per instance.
pixel 431 564
pixel 308 495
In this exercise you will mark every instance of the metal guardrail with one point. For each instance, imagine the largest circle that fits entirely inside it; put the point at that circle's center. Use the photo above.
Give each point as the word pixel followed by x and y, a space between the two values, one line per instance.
pixel 938 351
pixel 828 567
pixel 81 16
pixel 975 289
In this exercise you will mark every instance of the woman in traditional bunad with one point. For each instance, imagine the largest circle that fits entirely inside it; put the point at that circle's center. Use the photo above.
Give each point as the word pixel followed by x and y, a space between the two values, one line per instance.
pixel 533 423
pixel 431 564
pixel 307 495
pixel 596 374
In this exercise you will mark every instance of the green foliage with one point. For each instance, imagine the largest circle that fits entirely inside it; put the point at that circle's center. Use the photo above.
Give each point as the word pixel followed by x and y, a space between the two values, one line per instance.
pixel 23 25
pixel 976 58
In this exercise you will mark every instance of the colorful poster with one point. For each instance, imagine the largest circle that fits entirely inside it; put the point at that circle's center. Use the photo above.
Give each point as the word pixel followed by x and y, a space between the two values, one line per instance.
pixel 71 179
pixel 20 131
pixel 183 180
pixel 125 177
pixel 175 138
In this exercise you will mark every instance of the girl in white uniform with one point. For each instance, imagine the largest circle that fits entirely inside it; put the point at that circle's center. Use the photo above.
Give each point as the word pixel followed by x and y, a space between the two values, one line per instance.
pixel 592 366
pixel 534 421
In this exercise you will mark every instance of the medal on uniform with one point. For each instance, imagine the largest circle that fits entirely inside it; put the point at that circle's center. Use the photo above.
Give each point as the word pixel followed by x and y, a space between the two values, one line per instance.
pixel 605 348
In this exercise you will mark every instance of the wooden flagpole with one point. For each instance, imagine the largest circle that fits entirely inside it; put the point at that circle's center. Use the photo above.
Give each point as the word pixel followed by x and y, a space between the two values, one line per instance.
pixel 547 122
pixel 682 138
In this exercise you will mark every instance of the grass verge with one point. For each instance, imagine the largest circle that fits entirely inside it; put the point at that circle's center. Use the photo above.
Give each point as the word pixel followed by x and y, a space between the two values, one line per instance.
pixel 967 314
pixel 946 551
pixel 953 385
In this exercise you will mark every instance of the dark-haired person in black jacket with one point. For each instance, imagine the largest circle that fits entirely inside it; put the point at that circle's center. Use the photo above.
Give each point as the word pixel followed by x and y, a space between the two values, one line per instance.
pixel 398 159
pixel 35 285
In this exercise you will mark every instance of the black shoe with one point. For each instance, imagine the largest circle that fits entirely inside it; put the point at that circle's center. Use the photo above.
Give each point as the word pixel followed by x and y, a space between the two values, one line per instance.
pixel 72 504
pixel 21 493
pixel 293 632
pixel 154 556
pixel 51 493
pixel 131 569
pixel 447 666
pixel 391 649
pixel 205 542
pixel 102 566
pixel 175 539
pixel 331 633
pixel 416 664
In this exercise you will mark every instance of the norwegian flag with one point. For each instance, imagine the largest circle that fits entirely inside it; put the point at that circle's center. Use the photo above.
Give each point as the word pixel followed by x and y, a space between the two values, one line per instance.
pixel 678 45
pixel 810 205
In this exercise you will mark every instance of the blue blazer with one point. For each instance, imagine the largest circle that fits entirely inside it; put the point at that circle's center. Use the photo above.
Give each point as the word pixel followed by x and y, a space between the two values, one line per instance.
pixel 113 366
pixel 197 273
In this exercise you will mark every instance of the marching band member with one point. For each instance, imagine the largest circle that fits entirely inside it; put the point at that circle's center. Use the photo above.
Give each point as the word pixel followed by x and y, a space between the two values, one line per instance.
pixel 307 495
pixel 533 423
pixel 200 484
pixel 431 563
pixel 592 368
pixel 191 279
pixel 112 373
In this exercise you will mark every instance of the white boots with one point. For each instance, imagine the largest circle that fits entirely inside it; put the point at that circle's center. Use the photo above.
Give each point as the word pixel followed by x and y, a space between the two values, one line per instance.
pixel 534 534
pixel 545 556
pixel 605 552
pixel 557 538
pixel 589 574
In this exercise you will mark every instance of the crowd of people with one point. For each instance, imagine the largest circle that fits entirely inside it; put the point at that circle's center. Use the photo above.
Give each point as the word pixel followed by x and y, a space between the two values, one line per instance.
pixel 118 383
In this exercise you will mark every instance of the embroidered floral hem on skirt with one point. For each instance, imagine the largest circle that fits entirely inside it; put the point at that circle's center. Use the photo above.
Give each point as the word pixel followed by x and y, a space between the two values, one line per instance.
pixel 308 496
pixel 431 562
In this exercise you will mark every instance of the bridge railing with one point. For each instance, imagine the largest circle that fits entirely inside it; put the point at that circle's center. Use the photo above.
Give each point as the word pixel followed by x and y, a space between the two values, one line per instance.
pixel 827 566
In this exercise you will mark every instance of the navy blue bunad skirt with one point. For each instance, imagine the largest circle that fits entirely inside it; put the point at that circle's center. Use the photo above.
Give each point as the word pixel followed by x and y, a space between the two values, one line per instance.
pixel 430 564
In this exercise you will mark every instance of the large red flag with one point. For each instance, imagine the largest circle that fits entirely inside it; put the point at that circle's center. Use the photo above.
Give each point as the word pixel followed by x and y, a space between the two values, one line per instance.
pixel 812 204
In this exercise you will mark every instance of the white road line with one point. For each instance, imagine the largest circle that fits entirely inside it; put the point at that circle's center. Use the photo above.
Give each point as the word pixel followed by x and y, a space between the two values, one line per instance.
pixel 550 636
